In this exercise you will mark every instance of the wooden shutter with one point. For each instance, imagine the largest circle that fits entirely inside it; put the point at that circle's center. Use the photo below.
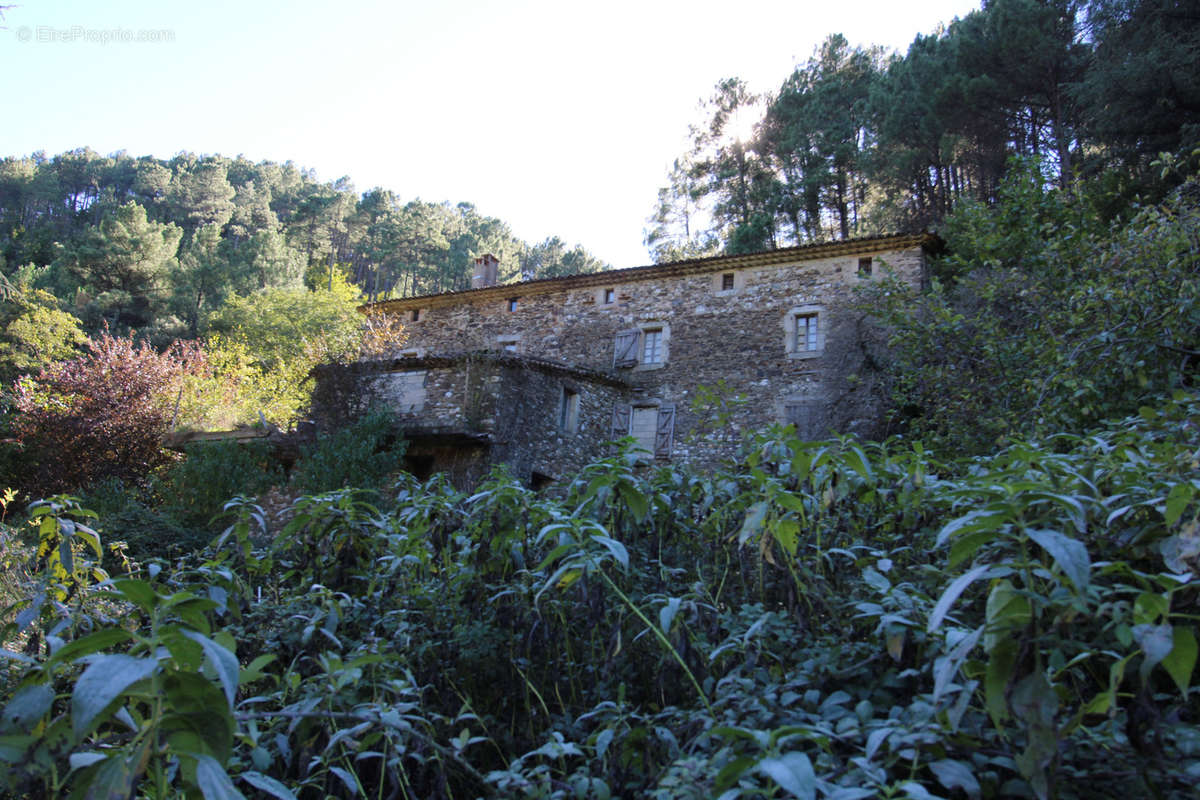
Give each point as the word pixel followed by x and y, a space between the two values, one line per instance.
pixel 625 349
pixel 620 421
pixel 664 435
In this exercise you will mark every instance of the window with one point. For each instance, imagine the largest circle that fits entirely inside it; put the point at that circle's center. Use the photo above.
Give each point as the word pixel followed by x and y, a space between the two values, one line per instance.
pixel 403 391
pixel 652 425
pixel 568 411
pixel 414 315
pixel 509 343
pixel 610 296
pixel 806 414
pixel 652 346
pixel 807 331
pixel 726 283
pixel 804 331
pixel 864 267
pixel 512 303
pixel 646 347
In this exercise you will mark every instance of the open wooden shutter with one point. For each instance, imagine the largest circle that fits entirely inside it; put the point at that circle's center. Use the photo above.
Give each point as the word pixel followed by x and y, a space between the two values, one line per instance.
pixel 622 412
pixel 625 349
pixel 664 435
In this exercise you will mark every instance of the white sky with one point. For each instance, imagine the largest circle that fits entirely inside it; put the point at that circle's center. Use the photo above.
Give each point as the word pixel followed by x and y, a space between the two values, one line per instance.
pixel 560 118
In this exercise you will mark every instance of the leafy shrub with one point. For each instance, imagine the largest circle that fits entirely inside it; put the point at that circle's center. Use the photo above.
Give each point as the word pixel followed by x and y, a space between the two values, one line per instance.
pixel 195 490
pixel 361 455
pixel 823 619
pixel 101 415
pixel 1043 323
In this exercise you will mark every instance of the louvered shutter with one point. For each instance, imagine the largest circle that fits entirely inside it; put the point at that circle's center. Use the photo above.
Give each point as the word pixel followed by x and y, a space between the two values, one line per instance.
pixel 625 349
pixel 664 435
pixel 620 421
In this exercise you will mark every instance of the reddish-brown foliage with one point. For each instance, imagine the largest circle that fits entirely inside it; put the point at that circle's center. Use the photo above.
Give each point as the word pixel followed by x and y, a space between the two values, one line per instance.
pixel 101 415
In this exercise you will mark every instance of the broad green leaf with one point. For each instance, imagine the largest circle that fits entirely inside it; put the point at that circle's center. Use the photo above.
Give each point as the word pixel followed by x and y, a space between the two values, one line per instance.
pixel 666 614
pixel 92 643
pixel 1156 642
pixel 876 738
pixel 965 547
pixel 793 772
pixel 13 749
pixel 1001 662
pixel 956 775
pixel 1149 606
pixel 112 780
pixel 254 671
pixel 732 772
pixel 140 593
pixel 26 707
pixel 265 783
pixel 637 502
pixel 956 588
pixel 603 741
pixel 1069 554
pixel 213 781
pixel 1177 500
pixel 84 760
pixel 984 519
pixel 101 683
pixel 753 522
pixel 859 462
pixel 1180 662
pixel 1007 609
pixel 915 791
pixel 616 548
pixel 875 580
pixel 347 779
pixel 787 533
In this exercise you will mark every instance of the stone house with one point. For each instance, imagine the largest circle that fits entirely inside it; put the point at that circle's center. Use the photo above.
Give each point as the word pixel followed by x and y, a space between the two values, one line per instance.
pixel 541 374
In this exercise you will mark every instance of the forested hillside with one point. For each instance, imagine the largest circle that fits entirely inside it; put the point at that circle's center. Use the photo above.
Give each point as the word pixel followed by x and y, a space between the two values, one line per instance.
pixel 857 141
pixel 155 245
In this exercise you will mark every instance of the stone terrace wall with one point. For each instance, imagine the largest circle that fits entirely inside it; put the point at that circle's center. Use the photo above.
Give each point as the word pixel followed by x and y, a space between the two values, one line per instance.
pixel 737 335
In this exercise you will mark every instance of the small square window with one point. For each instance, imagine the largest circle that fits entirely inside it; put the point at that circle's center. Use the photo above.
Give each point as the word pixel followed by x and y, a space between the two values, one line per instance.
pixel 807 333
pixel 610 296
pixel 414 315
pixel 865 266
pixel 512 303
pixel 652 346
pixel 726 281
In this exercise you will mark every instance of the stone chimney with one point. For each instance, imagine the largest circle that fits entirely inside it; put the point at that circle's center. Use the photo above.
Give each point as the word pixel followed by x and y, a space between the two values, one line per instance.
pixel 486 271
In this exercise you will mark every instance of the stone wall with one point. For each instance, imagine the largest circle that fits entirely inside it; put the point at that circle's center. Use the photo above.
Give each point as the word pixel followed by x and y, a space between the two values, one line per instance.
pixel 739 329
pixel 464 412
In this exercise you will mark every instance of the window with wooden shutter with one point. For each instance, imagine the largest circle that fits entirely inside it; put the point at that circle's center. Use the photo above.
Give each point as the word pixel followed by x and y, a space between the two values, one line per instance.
pixel 620 421
pixel 664 435
pixel 625 348
pixel 643 426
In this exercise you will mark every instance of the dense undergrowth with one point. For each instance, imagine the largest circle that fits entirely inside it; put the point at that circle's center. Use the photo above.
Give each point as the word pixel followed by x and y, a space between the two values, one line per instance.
pixel 827 619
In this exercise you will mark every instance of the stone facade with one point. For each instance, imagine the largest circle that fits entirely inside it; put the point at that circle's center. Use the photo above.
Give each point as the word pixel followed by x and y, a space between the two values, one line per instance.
pixel 635 347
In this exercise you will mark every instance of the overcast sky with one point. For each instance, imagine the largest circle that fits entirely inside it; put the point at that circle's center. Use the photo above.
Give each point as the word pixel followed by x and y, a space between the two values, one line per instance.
pixel 559 118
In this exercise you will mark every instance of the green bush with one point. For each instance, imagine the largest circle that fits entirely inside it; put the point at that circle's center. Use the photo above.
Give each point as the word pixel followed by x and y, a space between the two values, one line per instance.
pixel 129 515
pixel 196 489
pixel 361 455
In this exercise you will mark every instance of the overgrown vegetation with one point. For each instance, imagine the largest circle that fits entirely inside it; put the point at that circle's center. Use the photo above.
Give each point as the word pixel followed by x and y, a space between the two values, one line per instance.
pixel 828 619
pixel 999 602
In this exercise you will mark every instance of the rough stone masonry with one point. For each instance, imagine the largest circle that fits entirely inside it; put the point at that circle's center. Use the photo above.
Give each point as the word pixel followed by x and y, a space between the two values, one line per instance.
pixel 540 375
